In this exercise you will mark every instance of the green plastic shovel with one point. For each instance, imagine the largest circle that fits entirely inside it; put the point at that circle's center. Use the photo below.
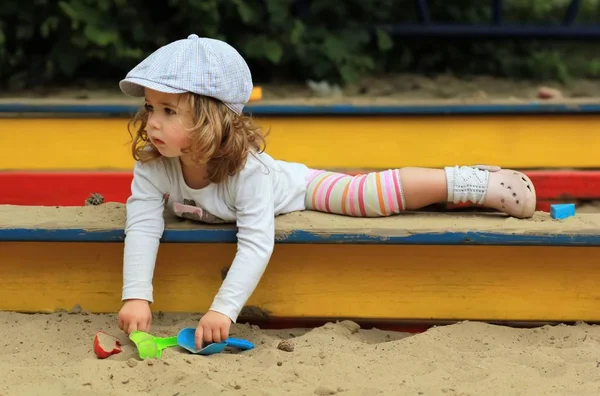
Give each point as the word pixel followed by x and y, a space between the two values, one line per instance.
pixel 149 346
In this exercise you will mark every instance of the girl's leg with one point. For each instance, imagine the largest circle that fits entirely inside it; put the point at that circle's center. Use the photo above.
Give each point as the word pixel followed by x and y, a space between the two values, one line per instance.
pixel 392 191
pixel 423 186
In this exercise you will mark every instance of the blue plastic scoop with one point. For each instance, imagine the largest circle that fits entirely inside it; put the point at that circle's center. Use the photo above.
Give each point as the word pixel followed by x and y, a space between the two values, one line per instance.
pixel 187 340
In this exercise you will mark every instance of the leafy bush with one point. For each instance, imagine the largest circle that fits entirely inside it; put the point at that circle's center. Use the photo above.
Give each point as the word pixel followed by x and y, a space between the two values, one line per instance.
pixel 63 42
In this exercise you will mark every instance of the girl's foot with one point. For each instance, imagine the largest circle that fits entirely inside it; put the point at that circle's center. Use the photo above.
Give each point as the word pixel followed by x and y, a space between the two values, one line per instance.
pixel 505 190
pixel 511 192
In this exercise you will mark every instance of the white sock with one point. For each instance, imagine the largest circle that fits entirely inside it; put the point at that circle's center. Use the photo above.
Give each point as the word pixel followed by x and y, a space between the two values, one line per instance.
pixel 466 183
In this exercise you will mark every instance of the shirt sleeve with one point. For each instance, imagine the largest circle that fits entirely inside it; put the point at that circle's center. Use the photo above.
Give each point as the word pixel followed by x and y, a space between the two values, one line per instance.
pixel 143 229
pixel 255 219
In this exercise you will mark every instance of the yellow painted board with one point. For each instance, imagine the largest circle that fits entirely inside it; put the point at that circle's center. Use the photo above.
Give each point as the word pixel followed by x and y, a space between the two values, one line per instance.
pixel 331 142
pixel 334 281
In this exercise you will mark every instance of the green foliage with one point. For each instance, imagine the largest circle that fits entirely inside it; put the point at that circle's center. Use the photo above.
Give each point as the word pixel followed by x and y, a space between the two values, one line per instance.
pixel 65 41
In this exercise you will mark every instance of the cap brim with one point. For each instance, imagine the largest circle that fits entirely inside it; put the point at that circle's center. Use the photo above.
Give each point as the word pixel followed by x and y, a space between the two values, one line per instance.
pixel 132 86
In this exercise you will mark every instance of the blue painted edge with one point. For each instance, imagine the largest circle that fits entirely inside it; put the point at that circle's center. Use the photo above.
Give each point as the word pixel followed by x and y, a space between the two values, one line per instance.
pixel 228 235
pixel 324 110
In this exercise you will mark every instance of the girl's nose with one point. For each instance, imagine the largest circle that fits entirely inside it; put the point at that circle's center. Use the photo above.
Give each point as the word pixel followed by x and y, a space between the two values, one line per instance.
pixel 153 121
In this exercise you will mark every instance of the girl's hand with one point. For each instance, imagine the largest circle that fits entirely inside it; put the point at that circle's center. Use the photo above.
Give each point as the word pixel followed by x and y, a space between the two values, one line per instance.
pixel 213 327
pixel 135 315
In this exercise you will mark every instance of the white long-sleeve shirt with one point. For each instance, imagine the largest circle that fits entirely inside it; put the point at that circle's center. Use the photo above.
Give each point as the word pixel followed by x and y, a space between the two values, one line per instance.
pixel 264 189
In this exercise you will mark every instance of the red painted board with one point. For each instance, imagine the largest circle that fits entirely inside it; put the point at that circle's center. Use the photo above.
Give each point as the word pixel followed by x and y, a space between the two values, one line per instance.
pixel 565 185
pixel 72 188
pixel 62 188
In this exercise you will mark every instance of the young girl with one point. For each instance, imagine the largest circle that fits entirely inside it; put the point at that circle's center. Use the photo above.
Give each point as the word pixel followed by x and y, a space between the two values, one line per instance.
pixel 202 159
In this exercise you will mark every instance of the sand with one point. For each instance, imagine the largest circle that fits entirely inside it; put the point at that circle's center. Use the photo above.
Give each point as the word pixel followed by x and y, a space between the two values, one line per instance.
pixel 398 89
pixel 111 216
pixel 52 355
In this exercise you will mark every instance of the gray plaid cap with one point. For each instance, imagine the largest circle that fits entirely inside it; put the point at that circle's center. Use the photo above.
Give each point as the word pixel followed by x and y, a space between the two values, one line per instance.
pixel 203 66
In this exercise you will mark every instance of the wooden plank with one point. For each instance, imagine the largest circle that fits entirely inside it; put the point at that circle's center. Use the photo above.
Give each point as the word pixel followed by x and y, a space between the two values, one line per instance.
pixel 105 224
pixel 328 142
pixel 567 184
pixel 309 106
pixel 62 188
pixel 381 282
pixel 72 188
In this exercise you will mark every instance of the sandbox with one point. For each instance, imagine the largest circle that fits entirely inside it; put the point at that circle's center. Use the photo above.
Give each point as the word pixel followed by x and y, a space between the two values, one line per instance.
pixel 413 267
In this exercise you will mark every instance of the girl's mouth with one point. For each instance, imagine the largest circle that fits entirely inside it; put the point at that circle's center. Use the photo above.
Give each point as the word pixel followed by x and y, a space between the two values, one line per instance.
pixel 157 141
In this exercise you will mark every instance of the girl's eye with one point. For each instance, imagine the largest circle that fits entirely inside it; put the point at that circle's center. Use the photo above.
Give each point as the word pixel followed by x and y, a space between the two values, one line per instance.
pixel 169 111
pixel 148 107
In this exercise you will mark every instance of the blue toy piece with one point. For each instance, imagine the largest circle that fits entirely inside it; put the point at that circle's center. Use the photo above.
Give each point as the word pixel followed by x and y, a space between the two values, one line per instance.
pixel 562 211
pixel 187 340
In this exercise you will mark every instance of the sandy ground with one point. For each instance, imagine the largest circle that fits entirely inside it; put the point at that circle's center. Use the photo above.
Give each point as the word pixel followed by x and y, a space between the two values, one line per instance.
pixel 380 89
pixel 52 355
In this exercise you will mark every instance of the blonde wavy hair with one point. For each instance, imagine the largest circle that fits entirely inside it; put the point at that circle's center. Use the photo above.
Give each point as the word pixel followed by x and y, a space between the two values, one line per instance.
pixel 220 138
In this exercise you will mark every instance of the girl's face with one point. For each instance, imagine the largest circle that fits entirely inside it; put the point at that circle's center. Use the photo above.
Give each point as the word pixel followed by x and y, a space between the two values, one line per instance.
pixel 169 118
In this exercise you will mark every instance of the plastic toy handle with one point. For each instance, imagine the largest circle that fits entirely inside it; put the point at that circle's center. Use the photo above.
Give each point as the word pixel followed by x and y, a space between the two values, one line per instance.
pixel 166 342
pixel 239 343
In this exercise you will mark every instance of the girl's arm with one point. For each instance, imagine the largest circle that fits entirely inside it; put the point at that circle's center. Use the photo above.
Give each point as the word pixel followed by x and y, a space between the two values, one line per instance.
pixel 256 238
pixel 143 229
